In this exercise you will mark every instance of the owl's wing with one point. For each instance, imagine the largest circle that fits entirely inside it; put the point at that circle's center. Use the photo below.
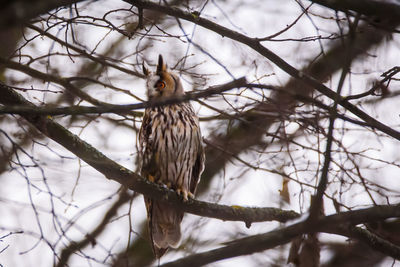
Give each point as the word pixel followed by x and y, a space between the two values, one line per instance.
pixel 198 167
pixel 147 158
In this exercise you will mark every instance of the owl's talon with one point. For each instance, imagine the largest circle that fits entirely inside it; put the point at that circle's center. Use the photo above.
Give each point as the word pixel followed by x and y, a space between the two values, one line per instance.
pixel 184 193
pixel 179 191
pixel 151 178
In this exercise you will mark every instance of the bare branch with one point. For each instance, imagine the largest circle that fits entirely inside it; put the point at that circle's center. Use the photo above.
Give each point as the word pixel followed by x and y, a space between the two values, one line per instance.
pixel 97 59
pixel 370 239
pixel 108 108
pixel 257 243
pixel 90 239
pixel 51 78
pixel 372 8
pixel 317 201
pixel 17 12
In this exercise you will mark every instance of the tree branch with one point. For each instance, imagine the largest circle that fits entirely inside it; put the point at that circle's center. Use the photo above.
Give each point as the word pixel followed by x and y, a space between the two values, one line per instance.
pixel 317 201
pixel 90 238
pixel 371 8
pixel 370 239
pixel 79 110
pixel 82 52
pixel 328 224
pixel 51 78
pixel 17 12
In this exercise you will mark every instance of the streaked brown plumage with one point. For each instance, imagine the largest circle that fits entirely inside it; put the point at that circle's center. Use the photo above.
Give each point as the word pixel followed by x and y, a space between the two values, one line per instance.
pixel 171 153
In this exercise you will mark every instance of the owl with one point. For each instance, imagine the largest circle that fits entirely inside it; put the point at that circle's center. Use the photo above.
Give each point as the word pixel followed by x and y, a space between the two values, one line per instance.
pixel 171 154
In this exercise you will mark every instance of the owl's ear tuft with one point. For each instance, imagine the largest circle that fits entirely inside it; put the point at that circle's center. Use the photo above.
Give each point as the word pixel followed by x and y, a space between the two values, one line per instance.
pixel 145 70
pixel 161 65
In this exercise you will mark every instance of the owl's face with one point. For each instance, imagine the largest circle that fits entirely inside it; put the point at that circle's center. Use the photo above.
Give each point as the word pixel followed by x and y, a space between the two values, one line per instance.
pixel 162 83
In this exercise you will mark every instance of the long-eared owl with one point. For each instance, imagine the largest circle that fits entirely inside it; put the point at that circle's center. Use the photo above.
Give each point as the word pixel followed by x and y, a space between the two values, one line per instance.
pixel 171 153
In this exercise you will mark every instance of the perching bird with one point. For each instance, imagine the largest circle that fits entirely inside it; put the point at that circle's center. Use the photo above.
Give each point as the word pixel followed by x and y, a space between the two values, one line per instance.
pixel 171 154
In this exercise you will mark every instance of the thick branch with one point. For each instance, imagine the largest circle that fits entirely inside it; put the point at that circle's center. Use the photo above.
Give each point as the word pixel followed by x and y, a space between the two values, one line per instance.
pixel 329 224
pixel 370 239
pixel 372 8
pixel 14 13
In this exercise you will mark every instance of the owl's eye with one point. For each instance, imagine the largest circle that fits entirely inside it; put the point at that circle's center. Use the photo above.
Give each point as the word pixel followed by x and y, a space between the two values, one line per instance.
pixel 160 85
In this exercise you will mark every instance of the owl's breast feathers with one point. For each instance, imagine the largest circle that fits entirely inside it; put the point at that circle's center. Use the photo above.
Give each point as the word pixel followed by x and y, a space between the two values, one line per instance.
pixel 171 146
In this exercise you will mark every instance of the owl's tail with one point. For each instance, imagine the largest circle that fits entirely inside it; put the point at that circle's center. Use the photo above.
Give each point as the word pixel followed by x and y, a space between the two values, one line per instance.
pixel 164 226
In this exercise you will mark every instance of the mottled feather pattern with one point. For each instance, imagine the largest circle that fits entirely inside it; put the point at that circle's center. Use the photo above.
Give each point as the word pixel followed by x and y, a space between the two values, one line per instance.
pixel 171 154
pixel 170 145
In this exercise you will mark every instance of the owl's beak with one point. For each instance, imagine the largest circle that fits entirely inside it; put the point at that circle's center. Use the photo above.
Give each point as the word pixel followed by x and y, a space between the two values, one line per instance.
pixel 159 90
